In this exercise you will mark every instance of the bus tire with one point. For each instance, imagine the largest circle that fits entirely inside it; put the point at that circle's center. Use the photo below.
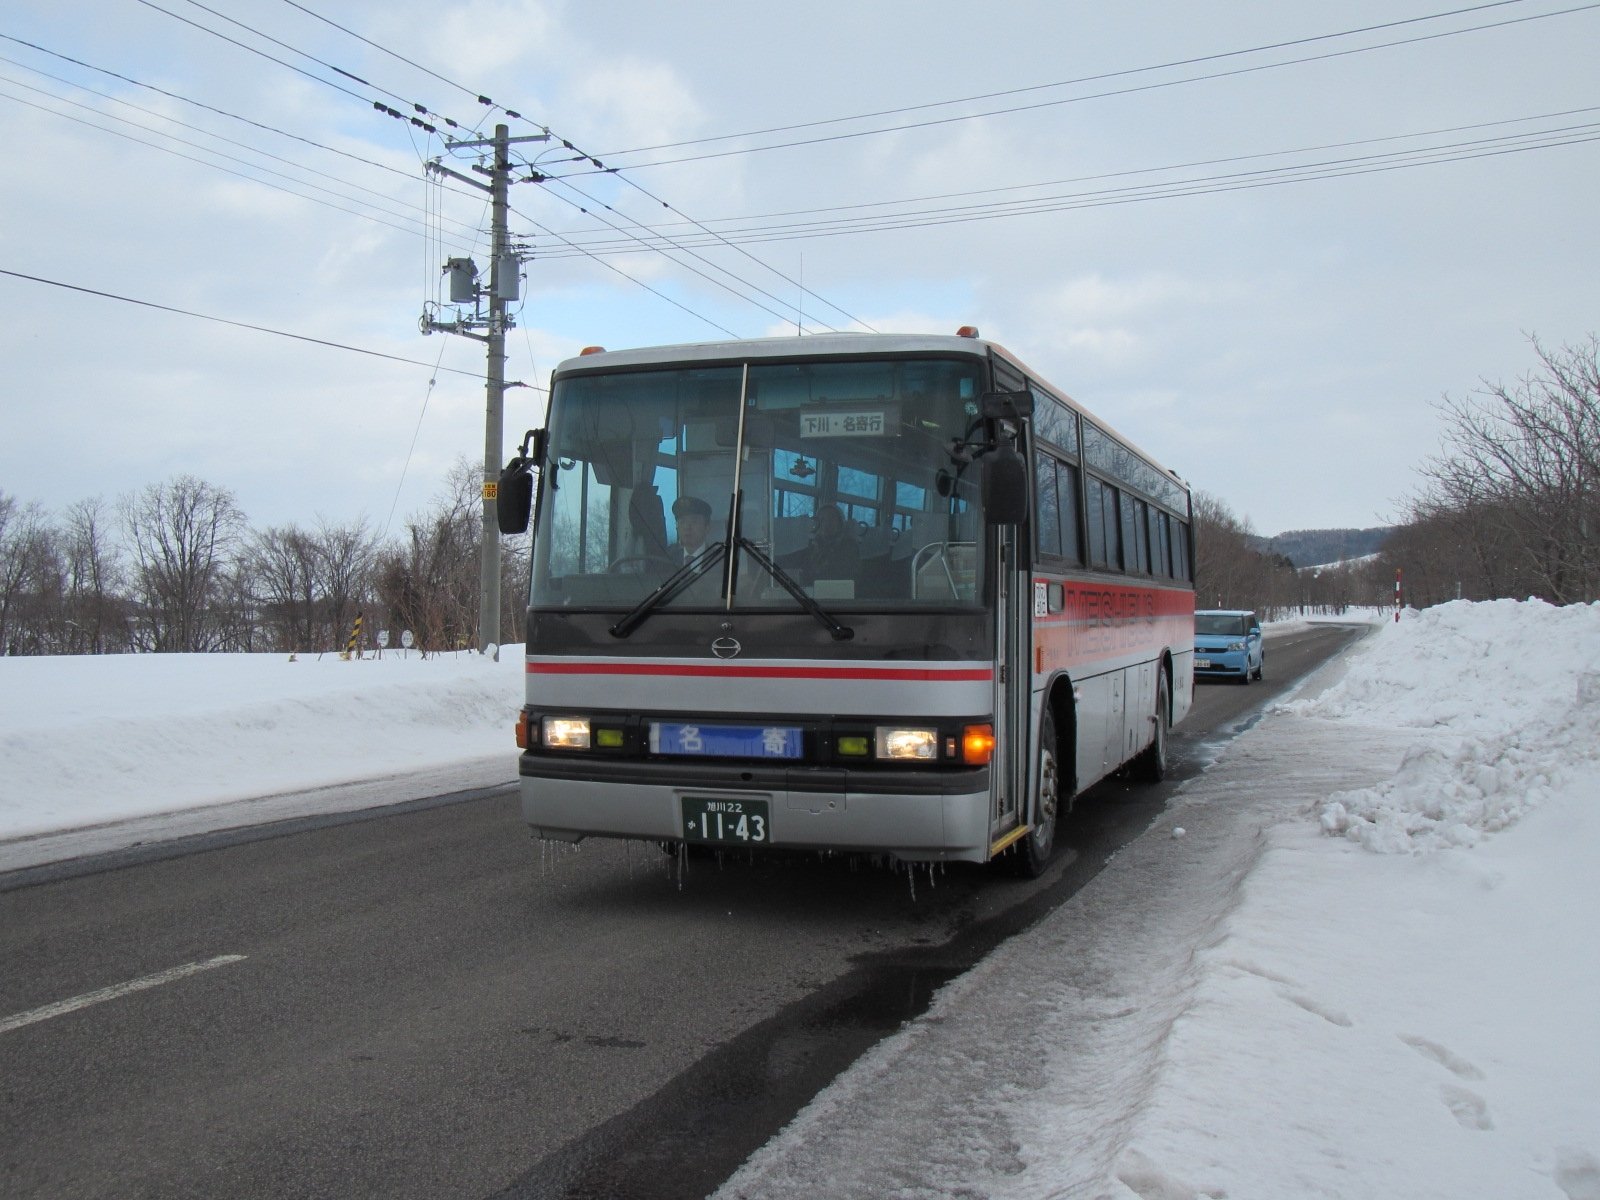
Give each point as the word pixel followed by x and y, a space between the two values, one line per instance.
pixel 1151 765
pixel 1032 854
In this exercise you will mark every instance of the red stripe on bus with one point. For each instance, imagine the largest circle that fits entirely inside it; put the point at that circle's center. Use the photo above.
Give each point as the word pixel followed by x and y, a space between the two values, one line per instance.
pixel 891 674
pixel 1111 603
pixel 1096 622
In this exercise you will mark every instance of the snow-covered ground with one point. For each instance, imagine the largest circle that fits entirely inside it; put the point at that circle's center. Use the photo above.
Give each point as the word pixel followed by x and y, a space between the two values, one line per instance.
pixel 1356 958
pixel 99 753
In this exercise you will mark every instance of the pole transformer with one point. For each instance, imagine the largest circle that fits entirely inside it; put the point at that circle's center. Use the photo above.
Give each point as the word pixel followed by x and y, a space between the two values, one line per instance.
pixel 504 280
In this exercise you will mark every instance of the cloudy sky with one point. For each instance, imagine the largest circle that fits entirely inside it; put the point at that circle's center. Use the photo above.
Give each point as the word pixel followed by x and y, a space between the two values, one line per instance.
pixel 1260 238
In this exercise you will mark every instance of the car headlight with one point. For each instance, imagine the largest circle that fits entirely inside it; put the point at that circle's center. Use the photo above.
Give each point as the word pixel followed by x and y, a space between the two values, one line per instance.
pixel 1235 647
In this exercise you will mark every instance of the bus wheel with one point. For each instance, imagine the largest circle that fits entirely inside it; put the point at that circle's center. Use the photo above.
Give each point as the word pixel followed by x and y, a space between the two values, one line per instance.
pixel 1151 765
pixel 1032 854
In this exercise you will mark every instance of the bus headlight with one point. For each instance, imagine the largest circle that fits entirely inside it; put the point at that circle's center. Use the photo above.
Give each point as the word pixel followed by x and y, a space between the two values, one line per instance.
pixel 566 733
pixel 915 745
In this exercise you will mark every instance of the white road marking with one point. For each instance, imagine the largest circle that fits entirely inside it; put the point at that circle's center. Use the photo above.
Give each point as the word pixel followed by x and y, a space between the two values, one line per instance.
pixel 62 1007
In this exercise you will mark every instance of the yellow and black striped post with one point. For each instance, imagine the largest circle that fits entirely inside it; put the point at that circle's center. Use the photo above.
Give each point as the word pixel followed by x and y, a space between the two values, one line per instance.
pixel 354 639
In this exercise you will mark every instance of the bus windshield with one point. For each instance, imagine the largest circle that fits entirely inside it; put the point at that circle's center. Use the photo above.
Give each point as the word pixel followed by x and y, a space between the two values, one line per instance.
pixel 846 476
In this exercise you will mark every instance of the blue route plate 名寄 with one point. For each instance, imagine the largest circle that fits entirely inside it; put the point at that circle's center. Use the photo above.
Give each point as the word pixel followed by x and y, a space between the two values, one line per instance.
pixel 695 739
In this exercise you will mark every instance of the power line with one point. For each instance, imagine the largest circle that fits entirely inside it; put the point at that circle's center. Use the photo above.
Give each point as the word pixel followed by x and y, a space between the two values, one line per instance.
pixel 1039 87
pixel 619 271
pixel 676 246
pixel 385 50
pixel 512 113
pixel 1128 91
pixel 1205 185
pixel 200 104
pixel 712 233
pixel 745 223
pixel 356 78
pixel 199 316
pixel 263 54
pixel 256 179
pixel 234 116
pixel 207 149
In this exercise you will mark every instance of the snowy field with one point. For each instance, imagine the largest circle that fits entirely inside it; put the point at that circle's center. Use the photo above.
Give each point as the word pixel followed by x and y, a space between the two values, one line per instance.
pixel 1355 959
pixel 102 752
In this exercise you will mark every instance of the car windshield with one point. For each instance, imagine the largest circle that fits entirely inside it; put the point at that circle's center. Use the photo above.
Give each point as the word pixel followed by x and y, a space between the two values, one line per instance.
pixel 839 476
pixel 1221 624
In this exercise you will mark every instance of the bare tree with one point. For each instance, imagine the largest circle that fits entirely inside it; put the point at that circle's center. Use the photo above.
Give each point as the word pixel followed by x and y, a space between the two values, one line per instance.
pixel 430 583
pixel 344 561
pixel 95 611
pixel 1511 505
pixel 29 573
pixel 515 560
pixel 181 537
pixel 282 570
pixel 1236 569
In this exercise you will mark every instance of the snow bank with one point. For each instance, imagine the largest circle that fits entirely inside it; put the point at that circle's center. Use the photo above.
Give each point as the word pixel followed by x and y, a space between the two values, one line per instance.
pixel 1505 699
pixel 1256 1010
pixel 92 739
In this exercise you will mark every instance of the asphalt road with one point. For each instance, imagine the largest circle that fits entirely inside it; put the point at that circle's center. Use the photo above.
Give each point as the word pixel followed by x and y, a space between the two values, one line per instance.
pixel 424 1004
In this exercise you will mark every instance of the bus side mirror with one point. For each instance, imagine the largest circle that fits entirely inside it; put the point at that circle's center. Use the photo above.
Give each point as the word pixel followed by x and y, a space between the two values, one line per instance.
pixel 514 498
pixel 1005 486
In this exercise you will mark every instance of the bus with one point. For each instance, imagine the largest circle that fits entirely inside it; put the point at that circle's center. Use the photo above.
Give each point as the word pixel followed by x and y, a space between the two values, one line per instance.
pixel 883 594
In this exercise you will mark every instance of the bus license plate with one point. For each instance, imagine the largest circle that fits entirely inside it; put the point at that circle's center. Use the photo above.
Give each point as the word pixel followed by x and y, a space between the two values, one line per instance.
pixel 725 822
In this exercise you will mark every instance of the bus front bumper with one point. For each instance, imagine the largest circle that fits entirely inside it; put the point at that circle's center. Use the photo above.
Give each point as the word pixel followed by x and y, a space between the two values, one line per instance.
pixel 910 816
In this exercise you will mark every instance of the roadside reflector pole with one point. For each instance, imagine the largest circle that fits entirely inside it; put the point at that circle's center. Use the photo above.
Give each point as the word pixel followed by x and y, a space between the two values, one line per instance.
pixel 353 641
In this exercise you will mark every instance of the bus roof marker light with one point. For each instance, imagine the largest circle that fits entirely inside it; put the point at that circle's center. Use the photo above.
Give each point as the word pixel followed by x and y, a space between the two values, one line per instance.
pixel 967 331
pixel 591 350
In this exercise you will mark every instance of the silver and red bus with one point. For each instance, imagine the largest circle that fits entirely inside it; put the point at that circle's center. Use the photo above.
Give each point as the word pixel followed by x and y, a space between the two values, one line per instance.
pixel 870 593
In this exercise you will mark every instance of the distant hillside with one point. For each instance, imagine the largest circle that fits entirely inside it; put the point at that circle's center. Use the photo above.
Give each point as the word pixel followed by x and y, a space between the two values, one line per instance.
pixel 1314 547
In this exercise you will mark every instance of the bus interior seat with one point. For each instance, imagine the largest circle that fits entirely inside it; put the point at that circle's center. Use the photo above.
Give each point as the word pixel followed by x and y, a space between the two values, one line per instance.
pixel 648 521
pixel 790 535
pixel 874 542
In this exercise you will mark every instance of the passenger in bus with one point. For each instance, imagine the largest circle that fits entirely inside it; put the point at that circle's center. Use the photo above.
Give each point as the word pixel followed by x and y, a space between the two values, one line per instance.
pixel 694 522
pixel 833 552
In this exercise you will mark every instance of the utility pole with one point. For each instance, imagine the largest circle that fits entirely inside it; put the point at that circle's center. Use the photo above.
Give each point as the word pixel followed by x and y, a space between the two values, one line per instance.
pixel 504 281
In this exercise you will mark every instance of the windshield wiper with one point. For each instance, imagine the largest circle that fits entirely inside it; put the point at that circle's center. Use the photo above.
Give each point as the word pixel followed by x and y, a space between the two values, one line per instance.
pixel 670 587
pixel 840 633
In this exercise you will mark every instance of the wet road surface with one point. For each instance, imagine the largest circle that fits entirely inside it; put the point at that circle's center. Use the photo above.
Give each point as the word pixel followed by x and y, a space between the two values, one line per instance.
pixel 420 1004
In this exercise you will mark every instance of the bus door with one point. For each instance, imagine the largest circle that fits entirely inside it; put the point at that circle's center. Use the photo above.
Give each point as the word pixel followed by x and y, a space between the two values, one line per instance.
pixel 1011 770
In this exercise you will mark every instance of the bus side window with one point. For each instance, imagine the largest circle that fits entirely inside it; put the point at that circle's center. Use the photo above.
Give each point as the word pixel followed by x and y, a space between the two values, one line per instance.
pixel 1056 508
pixel 1105 526
pixel 1097 525
pixel 1130 533
pixel 1067 495
pixel 1158 556
pixel 1136 521
pixel 1047 523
